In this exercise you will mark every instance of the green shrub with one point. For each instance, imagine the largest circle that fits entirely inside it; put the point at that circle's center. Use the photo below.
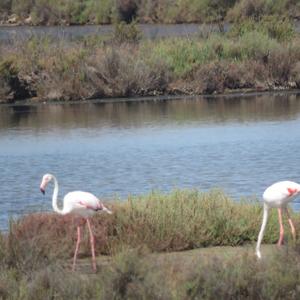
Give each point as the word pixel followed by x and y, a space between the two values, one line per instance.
pixel 274 27
pixel 257 9
pixel 150 11
pixel 177 221
pixel 278 28
pixel 131 276
pixel 246 278
pixel 181 55
pixel 126 33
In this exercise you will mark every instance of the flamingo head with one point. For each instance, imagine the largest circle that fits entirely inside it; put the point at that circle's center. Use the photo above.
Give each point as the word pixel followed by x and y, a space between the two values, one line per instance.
pixel 45 180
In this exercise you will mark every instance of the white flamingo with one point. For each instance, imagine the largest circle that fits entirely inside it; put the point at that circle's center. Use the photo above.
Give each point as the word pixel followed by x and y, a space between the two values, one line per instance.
pixel 78 203
pixel 278 195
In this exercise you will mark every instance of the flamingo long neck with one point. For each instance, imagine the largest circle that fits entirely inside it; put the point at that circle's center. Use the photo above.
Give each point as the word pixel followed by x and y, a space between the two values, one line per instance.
pixel 262 230
pixel 54 198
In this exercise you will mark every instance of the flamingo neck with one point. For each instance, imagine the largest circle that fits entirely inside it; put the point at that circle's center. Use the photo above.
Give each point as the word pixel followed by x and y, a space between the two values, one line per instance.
pixel 262 230
pixel 54 198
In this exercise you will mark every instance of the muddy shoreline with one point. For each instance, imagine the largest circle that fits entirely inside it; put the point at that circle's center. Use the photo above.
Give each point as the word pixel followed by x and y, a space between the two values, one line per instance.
pixel 165 97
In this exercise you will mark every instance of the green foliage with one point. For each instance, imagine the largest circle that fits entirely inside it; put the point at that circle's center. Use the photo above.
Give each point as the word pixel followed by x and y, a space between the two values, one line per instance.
pixel 274 27
pixel 34 254
pixel 277 28
pixel 7 69
pixel 158 11
pixel 131 276
pixel 187 220
pixel 181 55
pixel 257 9
pixel 246 278
pixel 22 7
pixel 70 11
pixel 119 67
pixel 101 12
pixel 126 33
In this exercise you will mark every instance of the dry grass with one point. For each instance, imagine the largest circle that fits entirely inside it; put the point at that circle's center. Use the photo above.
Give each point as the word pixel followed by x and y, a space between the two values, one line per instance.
pixel 247 58
pixel 150 11
pixel 178 221
pixel 36 250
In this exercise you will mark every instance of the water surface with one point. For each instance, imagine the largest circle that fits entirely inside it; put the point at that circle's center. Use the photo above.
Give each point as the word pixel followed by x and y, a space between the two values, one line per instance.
pixel 239 144
pixel 74 32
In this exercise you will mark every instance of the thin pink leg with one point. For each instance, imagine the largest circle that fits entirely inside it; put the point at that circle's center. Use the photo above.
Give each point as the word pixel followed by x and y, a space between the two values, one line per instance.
pixel 280 227
pixel 293 230
pixel 92 239
pixel 77 247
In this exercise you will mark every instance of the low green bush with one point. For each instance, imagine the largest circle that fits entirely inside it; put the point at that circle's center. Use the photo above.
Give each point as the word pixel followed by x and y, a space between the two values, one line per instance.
pixel 274 27
pixel 246 278
pixel 163 222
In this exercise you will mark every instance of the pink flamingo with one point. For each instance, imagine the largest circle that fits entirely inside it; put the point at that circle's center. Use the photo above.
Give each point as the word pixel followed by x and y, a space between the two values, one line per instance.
pixel 78 203
pixel 278 195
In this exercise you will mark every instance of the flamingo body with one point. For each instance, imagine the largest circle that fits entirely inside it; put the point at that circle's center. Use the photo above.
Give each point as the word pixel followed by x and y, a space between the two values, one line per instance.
pixel 278 195
pixel 79 203
pixel 281 193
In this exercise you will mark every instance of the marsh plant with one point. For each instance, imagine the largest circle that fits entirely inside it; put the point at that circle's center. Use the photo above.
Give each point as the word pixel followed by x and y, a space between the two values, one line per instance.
pixel 180 220
pixel 149 11
pixel 137 274
pixel 138 241
pixel 246 58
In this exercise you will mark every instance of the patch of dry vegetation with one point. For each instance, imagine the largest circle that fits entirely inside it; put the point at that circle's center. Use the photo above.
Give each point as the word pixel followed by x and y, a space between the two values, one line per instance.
pixel 181 220
pixel 55 12
pixel 252 56
pixel 136 274
pixel 36 250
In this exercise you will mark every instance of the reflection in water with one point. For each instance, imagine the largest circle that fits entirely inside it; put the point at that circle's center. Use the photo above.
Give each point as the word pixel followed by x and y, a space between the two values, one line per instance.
pixel 239 144
pixel 136 114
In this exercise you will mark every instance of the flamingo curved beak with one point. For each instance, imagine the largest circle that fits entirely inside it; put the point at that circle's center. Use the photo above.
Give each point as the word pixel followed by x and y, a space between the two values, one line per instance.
pixel 42 190
pixel 107 210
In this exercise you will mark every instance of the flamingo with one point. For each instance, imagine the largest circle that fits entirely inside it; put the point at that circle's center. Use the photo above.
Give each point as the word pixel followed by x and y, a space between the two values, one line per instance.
pixel 79 203
pixel 278 195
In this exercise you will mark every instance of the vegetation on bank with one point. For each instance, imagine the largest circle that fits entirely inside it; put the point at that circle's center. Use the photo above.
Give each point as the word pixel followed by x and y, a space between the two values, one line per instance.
pixel 253 55
pixel 147 11
pixel 35 254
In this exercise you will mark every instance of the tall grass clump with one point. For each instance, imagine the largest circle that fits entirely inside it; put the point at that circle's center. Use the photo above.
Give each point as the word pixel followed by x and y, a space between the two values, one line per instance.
pixel 35 254
pixel 245 278
pixel 259 8
pixel 177 221
pixel 126 33
pixel 181 55
pixel 275 27
pixel 132 275
pixel 188 219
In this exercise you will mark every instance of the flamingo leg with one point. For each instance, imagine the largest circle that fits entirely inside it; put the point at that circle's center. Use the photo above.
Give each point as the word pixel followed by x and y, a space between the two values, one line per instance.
pixel 281 232
pixel 77 247
pixel 92 239
pixel 293 230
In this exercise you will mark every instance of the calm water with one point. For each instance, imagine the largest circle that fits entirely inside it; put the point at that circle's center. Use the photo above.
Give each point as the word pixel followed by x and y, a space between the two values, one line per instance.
pixel 238 144
pixel 73 32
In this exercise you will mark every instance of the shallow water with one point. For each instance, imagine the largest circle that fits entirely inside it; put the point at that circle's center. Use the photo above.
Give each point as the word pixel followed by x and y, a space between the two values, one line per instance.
pixel 240 144
pixel 74 32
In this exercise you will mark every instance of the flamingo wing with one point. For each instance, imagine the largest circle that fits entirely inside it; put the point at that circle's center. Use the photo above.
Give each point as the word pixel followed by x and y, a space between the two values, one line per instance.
pixel 82 203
